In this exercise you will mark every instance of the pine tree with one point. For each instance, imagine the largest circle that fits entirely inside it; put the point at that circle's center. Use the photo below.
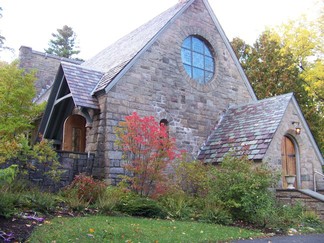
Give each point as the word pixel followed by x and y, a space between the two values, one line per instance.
pixel 63 43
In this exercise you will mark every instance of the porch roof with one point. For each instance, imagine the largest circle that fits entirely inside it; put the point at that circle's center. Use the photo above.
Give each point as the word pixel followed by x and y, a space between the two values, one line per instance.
pixel 246 129
pixel 81 82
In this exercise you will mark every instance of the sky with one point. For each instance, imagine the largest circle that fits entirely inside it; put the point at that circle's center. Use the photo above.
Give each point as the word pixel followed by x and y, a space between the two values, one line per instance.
pixel 98 23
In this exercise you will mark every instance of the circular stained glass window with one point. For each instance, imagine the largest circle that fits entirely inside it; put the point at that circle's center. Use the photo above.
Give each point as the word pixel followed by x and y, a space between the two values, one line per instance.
pixel 197 59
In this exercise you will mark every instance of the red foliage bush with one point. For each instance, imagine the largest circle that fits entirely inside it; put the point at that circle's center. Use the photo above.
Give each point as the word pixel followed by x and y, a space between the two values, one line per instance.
pixel 148 151
pixel 87 188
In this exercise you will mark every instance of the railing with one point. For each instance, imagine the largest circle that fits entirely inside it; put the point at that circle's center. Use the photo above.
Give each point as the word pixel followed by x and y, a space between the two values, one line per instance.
pixel 317 173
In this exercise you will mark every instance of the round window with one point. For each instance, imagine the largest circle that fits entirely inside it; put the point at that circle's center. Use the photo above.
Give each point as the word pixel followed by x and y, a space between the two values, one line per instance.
pixel 197 59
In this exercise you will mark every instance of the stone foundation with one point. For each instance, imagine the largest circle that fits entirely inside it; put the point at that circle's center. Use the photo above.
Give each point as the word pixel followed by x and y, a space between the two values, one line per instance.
pixel 293 197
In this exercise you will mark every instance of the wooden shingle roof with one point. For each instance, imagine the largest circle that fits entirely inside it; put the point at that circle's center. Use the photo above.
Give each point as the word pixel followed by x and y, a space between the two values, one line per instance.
pixel 81 82
pixel 246 129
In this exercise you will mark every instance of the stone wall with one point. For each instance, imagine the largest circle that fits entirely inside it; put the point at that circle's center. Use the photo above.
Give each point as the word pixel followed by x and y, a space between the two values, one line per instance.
pixel 71 164
pixel 157 85
pixel 45 65
pixel 306 159
pixel 292 197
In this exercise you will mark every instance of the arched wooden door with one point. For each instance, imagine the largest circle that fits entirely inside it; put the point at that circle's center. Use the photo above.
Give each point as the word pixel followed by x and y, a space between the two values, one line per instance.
pixel 288 155
pixel 74 134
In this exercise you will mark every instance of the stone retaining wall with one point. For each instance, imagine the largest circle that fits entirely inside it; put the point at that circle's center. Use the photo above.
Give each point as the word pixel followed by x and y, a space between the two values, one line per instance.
pixel 292 197
pixel 72 164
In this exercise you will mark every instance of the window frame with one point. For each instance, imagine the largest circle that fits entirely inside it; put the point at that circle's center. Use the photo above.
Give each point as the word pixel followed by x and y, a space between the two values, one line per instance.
pixel 195 46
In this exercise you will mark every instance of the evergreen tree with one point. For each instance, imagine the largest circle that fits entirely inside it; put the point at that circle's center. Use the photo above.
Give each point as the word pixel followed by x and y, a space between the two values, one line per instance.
pixel 63 43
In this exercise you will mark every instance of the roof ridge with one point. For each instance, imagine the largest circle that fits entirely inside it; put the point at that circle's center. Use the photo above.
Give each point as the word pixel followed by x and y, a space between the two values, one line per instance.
pixel 81 67
pixel 262 100
pixel 141 38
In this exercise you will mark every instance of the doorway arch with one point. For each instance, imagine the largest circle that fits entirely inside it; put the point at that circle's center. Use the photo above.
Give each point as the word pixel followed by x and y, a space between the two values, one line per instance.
pixel 74 134
pixel 290 159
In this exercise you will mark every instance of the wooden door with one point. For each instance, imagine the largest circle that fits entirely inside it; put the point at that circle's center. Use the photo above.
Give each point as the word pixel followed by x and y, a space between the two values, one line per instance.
pixel 288 155
pixel 74 134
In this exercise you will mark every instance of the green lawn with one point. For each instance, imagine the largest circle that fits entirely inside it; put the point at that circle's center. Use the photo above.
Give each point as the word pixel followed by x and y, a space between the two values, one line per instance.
pixel 129 229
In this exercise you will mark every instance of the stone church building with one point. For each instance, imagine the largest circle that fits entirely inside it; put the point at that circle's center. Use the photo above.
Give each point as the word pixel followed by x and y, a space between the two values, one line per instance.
pixel 178 67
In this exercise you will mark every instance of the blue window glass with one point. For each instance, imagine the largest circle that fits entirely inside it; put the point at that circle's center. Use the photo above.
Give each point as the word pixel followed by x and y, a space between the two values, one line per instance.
pixel 209 64
pixel 197 45
pixel 188 70
pixel 197 59
pixel 186 56
pixel 198 74
pixel 187 43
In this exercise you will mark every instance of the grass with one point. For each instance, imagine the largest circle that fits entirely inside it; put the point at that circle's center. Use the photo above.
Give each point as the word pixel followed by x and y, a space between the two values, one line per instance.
pixel 130 229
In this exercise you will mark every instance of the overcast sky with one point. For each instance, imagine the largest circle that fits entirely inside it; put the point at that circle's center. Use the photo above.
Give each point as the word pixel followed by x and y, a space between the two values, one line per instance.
pixel 98 23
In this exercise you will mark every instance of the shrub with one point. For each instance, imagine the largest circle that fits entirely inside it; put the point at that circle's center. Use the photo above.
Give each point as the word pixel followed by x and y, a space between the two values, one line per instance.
pixel 214 213
pixel 86 189
pixel 20 196
pixel 177 204
pixel 283 217
pixel 8 204
pixel 193 177
pixel 142 207
pixel 148 151
pixel 43 202
pixel 112 196
pixel 242 187
pixel 8 174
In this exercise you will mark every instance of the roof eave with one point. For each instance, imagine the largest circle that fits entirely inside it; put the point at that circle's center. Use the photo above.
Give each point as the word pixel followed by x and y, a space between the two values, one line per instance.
pixel 230 49
pixel 307 130
pixel 146 46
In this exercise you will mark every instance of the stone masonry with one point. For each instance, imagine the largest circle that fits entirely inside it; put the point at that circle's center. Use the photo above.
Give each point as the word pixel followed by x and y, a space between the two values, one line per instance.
pixel 45 65
pixel 306 159
pixel 292 197
pixel 157 85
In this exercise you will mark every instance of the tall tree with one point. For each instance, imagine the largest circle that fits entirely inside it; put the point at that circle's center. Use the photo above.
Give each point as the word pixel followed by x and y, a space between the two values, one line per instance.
pixel 17 110
pixel 17 113
pixel 2 39
pixel 288 60
pixel 63 43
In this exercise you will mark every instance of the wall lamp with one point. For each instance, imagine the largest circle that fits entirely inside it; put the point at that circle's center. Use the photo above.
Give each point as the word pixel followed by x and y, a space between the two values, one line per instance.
pixel 297 127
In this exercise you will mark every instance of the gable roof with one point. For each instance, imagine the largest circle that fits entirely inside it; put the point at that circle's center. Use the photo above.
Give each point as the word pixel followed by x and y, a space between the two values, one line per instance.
pixel 116 56
pixel 81 81
pixel 246 129
pixel 116 59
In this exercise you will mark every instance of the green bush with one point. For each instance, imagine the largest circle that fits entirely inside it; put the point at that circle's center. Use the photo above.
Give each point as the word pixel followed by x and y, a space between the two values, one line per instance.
pixel 142 207
pixel 193 177
pixel 20 196
pixel 43 202
pixel 8 174
pixel 8 204
pixel 113 195
pixel 212 211
pixel 243 188
pixel 177 204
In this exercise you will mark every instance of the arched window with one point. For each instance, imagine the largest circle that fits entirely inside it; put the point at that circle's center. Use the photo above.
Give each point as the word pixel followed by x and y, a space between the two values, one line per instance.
pixel 164 122
pixel 197 59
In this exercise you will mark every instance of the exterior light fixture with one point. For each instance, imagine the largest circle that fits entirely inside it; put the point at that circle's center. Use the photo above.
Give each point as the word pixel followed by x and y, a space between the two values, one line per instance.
pixel 297 127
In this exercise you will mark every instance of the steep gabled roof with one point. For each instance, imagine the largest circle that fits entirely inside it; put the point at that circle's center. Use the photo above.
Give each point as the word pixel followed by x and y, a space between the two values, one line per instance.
pixel 115 57
pixel 246 129
pixel 81 81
